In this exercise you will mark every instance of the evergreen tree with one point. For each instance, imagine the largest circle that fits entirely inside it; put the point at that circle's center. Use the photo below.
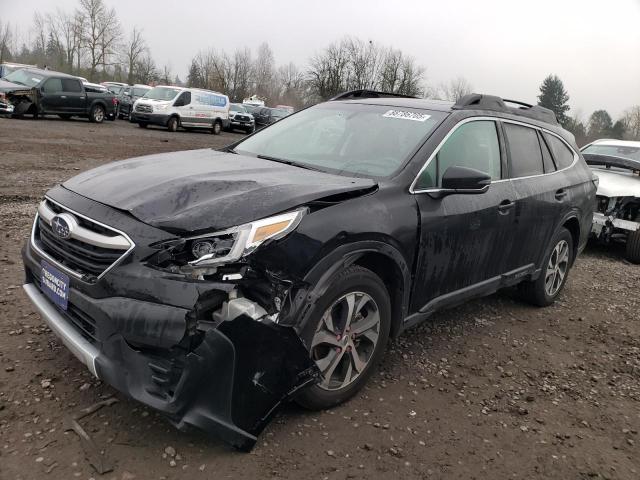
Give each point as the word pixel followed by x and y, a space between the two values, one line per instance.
pixel 618 130
pixel 554 97
pixel 194 79
pixel 600 125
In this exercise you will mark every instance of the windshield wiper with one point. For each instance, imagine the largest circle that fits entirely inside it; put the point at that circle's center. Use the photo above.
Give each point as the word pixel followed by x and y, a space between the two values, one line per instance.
pixel 287 162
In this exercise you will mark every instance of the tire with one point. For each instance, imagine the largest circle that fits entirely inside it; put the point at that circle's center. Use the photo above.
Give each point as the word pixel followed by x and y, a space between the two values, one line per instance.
pixel 216 129
pixel 249 131
pixel 172 124
pixel 97 114
pixel 142 124
pixel 64 116
pixel 632 252
pixel 361 288
pixel 545 289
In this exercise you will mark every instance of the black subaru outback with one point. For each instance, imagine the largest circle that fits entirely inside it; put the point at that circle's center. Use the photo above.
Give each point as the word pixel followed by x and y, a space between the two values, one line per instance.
pixel 214 285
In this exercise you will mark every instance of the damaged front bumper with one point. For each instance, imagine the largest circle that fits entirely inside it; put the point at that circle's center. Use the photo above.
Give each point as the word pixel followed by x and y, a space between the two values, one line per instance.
pixel 225 374
pixel 604 225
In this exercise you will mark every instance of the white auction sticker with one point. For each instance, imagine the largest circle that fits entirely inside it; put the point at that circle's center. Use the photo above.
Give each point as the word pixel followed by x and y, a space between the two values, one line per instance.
pixel 403 114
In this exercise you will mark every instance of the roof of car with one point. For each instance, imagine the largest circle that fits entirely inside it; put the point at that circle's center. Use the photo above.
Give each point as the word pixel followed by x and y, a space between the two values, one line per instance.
pixel 616 143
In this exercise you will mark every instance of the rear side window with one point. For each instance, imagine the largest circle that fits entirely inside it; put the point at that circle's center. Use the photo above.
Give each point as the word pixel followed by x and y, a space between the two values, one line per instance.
pixel 473 145
pixel 562 153
pixel 53 85
pixel 71 85
pixel 524 150
pixel 547 159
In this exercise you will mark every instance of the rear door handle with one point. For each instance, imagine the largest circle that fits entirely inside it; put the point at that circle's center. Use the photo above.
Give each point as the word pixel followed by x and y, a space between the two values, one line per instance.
pixel 505 206
pixel 561 194
pixel 63 96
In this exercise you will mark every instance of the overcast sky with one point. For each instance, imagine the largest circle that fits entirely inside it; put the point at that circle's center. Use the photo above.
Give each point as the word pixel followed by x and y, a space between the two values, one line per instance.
pixel 502 47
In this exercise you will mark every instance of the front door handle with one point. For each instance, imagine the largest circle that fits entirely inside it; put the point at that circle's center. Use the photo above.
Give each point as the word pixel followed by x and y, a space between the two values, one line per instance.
pixel 505 206
pixel 561 194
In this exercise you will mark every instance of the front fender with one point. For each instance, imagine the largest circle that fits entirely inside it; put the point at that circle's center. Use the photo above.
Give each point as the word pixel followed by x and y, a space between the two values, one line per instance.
pixel 319 278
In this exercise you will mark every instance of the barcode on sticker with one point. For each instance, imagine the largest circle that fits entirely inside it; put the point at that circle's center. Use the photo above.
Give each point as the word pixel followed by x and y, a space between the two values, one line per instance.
pixel 403 114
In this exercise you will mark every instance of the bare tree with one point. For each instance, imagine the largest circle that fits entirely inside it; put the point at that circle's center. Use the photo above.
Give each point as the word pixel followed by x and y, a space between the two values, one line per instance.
pixel 292 85
pixel 65 28
pixel 100 34
pixel 165 75
pixel 145 70
pixel 5 41
pixel 135 48
pixel 329 71
pixel 364 60
pixel 240 75
pixel 455 89
pixel 631 120
pixel 264 72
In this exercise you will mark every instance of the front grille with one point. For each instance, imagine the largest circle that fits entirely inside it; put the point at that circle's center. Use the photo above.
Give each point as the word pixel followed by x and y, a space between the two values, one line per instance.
pixel 92 250
pixel 144 108
pixel 241 118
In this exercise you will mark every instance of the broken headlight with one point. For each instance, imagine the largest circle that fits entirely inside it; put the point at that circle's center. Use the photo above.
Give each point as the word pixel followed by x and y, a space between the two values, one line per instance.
pixel 228 246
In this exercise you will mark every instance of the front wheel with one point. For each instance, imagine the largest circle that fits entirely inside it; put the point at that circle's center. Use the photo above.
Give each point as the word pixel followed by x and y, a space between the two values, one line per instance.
pixel 97 114
pixel 352 322
pixel 633 247
pixel 172 124
pixel 555 270
pixel 142 124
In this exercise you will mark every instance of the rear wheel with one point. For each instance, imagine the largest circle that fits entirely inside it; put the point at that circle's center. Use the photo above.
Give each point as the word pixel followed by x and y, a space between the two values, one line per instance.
pixel 555 270
pixel 142 124
pixel 352 322
pixel 633 247
pixel 172 124
pixel 216 128
pixel 97 114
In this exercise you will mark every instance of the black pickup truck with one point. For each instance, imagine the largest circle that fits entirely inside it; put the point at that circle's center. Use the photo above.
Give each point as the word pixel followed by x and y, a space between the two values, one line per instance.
pixel 36 92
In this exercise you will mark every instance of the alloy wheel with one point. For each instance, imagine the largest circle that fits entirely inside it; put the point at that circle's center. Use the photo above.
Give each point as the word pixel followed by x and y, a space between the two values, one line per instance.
pixel 556 268
pixel 345 339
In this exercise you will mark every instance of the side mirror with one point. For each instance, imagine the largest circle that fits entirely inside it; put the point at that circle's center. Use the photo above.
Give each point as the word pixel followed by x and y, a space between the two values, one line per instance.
pixel 464 180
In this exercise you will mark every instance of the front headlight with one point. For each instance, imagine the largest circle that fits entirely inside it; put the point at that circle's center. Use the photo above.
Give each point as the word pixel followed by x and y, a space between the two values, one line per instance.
pixel 160 107
pixel 230 245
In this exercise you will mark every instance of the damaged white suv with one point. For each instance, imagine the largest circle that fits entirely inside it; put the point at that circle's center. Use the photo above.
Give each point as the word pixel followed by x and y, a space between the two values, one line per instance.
pixel 616 163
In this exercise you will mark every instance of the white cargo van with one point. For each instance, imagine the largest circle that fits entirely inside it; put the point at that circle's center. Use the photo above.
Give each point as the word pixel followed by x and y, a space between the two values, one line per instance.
pixel 174 107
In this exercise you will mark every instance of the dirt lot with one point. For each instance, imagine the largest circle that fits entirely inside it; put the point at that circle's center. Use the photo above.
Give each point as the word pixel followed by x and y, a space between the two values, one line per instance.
pixel 494 389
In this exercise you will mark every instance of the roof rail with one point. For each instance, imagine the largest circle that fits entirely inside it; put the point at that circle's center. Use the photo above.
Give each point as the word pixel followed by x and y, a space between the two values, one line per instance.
pixel 476 101
pixel 364 93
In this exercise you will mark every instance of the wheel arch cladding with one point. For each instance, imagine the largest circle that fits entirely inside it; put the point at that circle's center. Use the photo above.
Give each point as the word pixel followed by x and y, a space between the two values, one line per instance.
pixel 391 275
pixel 573 225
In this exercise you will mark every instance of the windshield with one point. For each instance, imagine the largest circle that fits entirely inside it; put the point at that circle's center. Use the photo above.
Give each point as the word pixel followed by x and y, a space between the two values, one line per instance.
pixel 24 77
pixel 117 89
pixel 370 140
pixel 141 91
pixel 279 112
pixel 624 151
pixel 237 108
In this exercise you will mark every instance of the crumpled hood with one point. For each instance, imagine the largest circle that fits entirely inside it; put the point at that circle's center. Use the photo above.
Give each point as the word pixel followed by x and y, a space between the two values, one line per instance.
pixel 206 190
pixel 6 86
pixel 617 183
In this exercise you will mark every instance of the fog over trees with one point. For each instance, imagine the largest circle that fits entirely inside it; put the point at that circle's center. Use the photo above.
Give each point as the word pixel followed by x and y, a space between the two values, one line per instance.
pixel 89 41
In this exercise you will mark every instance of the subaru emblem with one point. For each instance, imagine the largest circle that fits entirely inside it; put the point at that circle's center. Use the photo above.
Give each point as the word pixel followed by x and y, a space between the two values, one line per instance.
pixel 61 227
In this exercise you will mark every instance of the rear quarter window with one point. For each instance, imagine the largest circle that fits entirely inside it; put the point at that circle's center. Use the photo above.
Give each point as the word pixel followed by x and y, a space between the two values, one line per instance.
pixel 524 150
pixel 562 154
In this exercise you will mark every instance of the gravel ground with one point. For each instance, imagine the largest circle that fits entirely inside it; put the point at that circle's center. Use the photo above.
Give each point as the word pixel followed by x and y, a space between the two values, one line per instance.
pixel 492 389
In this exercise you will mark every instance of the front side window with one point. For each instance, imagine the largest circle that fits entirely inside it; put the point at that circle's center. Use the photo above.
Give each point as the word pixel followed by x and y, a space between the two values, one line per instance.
pixel 351 138
pixel 524 150
pixel 183 99
pixel 562 153
pixel 472 145
pixel 53 85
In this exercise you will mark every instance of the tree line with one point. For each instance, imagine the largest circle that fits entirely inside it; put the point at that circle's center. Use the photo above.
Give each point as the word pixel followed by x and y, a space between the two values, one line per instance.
pixel 89 41
pixel 600 124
